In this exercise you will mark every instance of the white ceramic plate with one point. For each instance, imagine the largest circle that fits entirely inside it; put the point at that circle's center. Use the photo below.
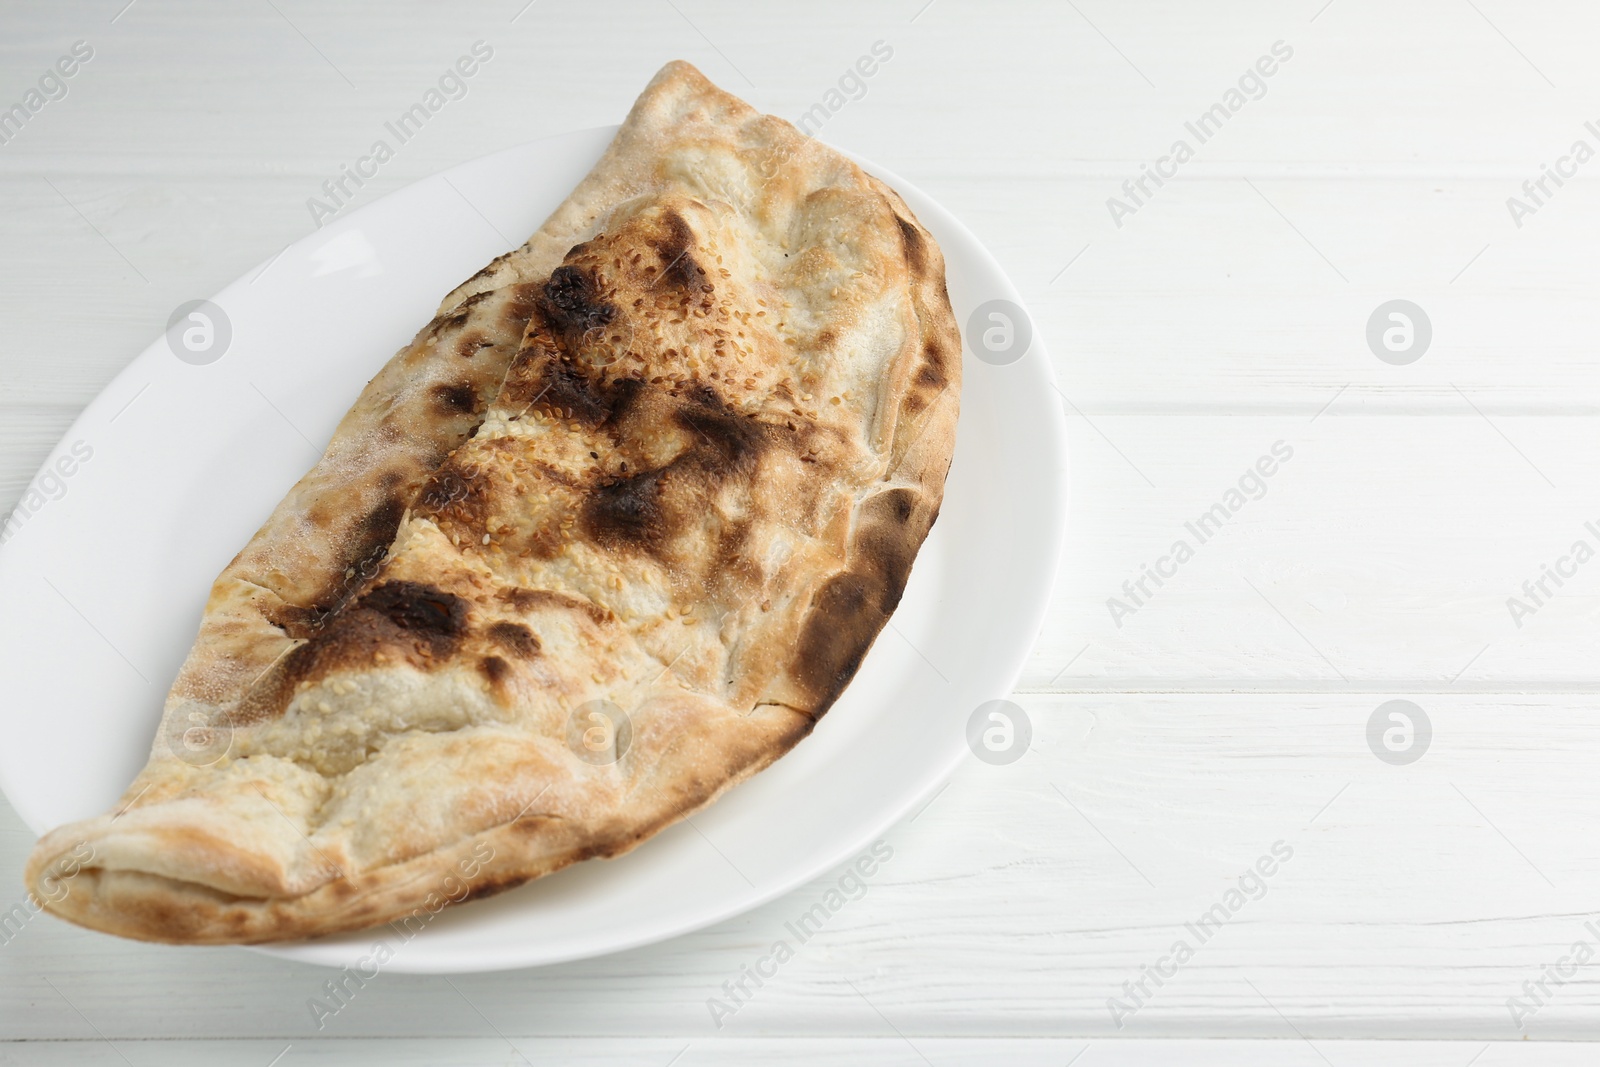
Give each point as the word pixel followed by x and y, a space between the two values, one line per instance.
pixel 103 584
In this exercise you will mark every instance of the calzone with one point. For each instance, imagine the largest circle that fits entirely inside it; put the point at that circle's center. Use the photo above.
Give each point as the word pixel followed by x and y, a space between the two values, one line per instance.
pixel 608 537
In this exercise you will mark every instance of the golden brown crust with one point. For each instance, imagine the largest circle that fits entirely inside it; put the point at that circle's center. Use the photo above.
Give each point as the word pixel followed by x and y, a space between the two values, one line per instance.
pixel 680 516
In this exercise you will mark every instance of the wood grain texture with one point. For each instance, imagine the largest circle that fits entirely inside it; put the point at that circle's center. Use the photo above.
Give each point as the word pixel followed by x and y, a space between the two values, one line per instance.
pixel 1172 751
pixel 736 1052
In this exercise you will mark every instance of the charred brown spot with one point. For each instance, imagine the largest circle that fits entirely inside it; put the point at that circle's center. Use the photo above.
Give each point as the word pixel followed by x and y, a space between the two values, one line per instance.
pixel 495 669
pixel 842 624
pixel 849 611
pixel 729 556
pixel 476 298
pixel 421 609
pixel 898 504
pixel 378 527
pixel 524 298
pixel 886 542
pixel 457 316
pixel 363 569
pixel 527 600
pixel 734 440
pixel 296 621
pixel 522 599
pixel 705 395
pixel 468 345
pixel 621 397
pixel 458 398
pixel 726 446
pixel 932 372
pixel 409 621
pixel 515 638
pixel 368 544
pixel 455 493
pixel 572 300
pixel 560 387
pixel 678 266
pixel 627 512
pixel 447 322
pixel 916 247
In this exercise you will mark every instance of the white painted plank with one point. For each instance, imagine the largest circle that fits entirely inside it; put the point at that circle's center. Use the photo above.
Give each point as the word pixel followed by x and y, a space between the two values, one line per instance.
pixel 840 1052
pixel 1382 556
pixel 1207 300
pixel 1415 902
pixel 1021 89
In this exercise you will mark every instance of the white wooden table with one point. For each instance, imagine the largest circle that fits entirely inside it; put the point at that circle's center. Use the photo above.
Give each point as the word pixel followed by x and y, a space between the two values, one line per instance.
pixel 1227 312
